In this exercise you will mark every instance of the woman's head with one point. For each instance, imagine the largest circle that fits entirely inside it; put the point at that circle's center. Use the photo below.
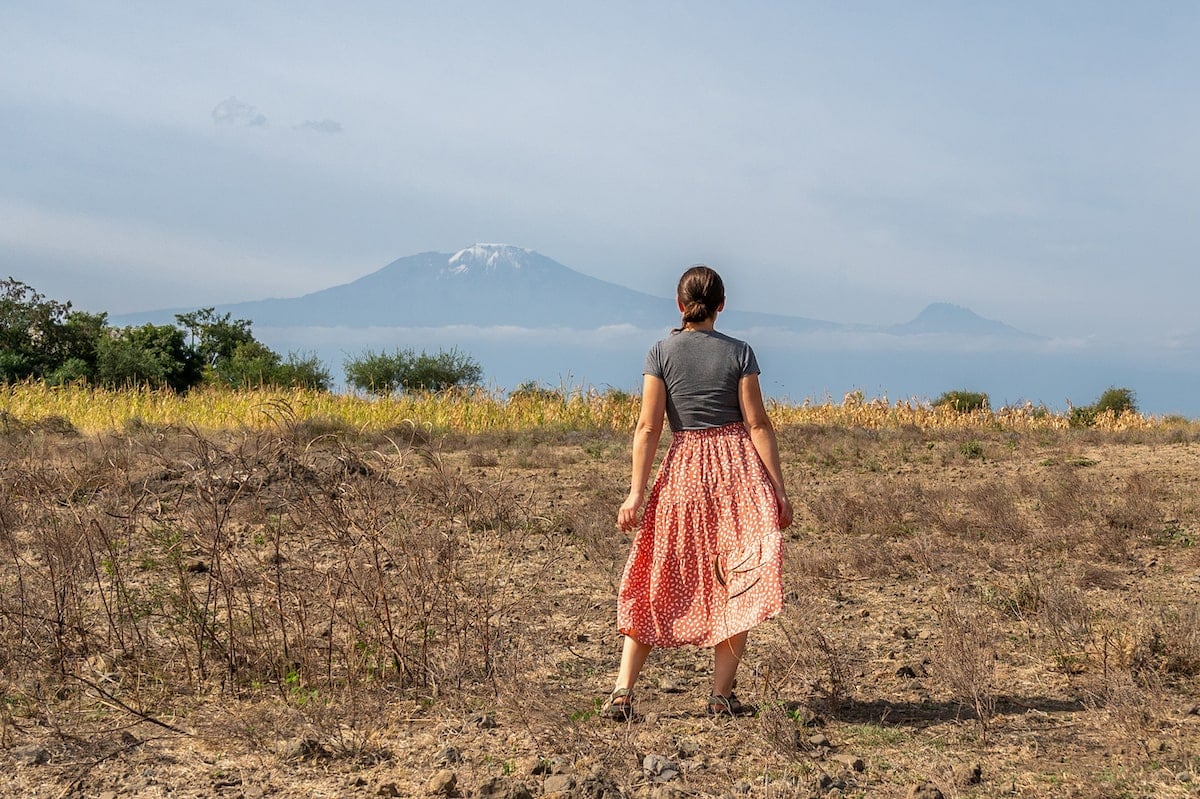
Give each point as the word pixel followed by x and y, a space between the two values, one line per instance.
pixel 700 294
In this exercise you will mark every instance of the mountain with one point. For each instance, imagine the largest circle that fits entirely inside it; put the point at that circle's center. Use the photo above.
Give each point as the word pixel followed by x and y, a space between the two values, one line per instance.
pixel 491 285
pixel 945 318
pixel 484 285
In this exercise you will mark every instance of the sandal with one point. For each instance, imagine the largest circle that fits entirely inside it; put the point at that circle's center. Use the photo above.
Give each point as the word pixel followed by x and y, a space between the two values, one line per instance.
pixel 618 711
pixel 728 706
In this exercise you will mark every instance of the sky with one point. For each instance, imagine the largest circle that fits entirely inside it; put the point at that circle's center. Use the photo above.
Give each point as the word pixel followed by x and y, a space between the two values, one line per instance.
pixel 1037 162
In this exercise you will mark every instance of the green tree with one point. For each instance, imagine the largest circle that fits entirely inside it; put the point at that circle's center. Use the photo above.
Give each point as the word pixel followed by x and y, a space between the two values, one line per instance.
pixel 214 338
pixel 32 339
pixel 154 355
pixel 253 364
pixel 81 336
pixel 383 373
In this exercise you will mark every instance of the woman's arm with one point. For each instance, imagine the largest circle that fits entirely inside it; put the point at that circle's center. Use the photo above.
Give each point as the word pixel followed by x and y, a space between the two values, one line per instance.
pixel 645 444
pixel 762 433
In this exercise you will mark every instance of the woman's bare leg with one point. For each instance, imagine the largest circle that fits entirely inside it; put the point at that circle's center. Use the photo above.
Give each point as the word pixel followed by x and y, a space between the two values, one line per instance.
pixel 726 657
pixel 633 657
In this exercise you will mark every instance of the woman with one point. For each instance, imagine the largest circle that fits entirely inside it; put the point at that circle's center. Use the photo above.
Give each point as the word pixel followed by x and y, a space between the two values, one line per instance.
pixel 706 562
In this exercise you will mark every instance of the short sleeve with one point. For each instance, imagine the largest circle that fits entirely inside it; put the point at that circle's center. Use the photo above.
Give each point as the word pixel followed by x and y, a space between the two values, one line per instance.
pixel 749 363
pixel 653 365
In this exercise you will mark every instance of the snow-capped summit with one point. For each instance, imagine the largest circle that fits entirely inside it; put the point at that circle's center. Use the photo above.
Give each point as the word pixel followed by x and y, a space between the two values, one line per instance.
pixel 487 257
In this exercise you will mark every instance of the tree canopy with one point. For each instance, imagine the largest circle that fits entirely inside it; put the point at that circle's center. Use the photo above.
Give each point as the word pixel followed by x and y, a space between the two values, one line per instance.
pixel 43 339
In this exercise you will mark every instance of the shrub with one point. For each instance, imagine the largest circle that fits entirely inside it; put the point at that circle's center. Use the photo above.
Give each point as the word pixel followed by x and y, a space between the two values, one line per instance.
pixel 963 401
pixel 381 373
pixel 252 364
pixel 971 449
pixel 533 390
pixel 1116 400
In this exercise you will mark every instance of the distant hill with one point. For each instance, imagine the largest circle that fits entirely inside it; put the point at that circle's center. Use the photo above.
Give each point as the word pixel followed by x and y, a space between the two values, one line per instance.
pixel 945 318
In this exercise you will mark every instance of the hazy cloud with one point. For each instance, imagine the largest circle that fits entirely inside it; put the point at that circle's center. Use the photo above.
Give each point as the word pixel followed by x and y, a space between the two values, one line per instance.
pixel 233 111
pixel 122 249
pixel 321 126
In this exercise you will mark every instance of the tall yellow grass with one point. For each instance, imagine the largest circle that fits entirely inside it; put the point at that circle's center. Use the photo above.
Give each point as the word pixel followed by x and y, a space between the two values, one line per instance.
pixel 94 410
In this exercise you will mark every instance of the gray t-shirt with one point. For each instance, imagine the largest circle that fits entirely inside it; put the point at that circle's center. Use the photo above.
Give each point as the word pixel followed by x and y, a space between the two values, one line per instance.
pixel 702 370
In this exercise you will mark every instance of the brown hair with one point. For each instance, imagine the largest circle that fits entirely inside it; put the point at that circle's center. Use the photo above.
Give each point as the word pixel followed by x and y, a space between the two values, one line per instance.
pixel 700 292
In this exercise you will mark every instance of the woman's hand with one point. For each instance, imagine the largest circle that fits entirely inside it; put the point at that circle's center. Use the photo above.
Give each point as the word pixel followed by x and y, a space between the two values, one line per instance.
pixel 627 516
pixel 785 512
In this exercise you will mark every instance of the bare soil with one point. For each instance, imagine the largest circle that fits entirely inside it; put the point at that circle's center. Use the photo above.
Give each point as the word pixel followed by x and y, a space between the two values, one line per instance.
pixel 312 612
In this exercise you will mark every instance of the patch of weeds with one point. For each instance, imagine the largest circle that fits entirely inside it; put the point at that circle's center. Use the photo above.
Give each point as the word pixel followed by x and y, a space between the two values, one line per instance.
pixel 1174 534
pixel 1081 461
pixel 481 459
pixel 875 735
pixel 56 424
pixel 595 450
pixel 971 449
pixel 587 713
pixel 965 658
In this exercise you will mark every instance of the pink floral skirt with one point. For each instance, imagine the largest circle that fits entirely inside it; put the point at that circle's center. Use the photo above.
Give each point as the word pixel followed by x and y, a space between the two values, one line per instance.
pixel 707 561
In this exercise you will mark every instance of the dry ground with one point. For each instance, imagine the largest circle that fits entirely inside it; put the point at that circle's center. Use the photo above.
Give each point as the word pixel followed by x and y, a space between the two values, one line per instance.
pixel 311 612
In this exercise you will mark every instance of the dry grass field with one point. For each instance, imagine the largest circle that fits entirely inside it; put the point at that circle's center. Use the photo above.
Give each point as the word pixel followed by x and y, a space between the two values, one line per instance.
pixel 319 607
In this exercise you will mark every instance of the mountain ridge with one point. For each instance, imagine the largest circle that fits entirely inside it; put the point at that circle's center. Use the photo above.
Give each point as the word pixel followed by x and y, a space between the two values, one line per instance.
pixel 490 285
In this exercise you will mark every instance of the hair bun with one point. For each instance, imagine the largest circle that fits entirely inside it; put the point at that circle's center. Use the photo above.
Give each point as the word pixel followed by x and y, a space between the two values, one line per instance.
pixel 700 293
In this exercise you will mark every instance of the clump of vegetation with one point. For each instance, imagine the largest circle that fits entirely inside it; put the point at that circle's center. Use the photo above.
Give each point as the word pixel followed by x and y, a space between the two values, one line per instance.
pixel 971 449
pixel 43 339
pixel 963 401
pixel 405 370
pixel 1113 403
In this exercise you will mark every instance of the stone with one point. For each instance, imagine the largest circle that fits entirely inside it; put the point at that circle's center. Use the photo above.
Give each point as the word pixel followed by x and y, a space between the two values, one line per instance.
pixel 671 686
pixel 850 761
pixel 818 740
pixel 970 776
pixel 483 721
pixel 659 769
pixel 912 671
pixel 30 755
pixel 558 783
pixel 442 783
pixel 925 790
pixel 306 746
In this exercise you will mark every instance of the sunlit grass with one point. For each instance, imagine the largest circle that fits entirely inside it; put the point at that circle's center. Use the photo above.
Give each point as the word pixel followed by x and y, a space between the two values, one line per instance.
pixel 94 410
